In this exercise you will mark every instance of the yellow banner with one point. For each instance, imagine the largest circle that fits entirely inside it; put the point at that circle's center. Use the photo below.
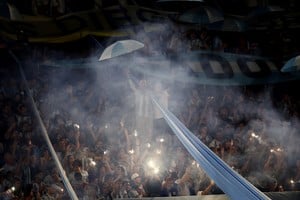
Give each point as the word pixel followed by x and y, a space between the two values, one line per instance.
pixel 114 21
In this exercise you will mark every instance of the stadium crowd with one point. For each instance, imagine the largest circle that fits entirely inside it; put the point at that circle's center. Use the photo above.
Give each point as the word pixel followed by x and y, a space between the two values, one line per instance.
pixel 112 142
pixel 100 142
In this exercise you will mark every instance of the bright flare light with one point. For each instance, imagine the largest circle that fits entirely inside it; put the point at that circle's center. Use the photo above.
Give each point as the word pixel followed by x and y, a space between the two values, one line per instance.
pixel 131 151
pixel 152 166
pixel 92 163
pixel 76 126
pixel 254 135
pixel 156 170
pixel 276 150
pixel 148 145
pixel 161 140
pixel 151 163
pixel 195 163
pixel 135 133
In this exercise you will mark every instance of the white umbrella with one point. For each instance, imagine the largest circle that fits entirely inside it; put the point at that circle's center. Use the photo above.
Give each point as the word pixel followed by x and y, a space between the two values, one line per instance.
pixel 292 65
pixel 119 48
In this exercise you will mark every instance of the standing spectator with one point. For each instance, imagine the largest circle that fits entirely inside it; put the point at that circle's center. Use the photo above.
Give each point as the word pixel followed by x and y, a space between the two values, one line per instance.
pixel 152 185
pixel 169 187
pixel 195 42
pixel 78 179
pixel 204 136
pixel 137 185
pixel 143 107
pixel 177 43
pixel 218 44
pixel 52 178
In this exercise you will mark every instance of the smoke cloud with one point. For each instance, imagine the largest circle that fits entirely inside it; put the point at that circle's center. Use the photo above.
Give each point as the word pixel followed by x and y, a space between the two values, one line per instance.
pixel 99 98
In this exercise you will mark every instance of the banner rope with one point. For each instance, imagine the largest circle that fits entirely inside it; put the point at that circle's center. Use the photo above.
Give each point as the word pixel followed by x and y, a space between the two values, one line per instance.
pixel 229 181
pixel 61 171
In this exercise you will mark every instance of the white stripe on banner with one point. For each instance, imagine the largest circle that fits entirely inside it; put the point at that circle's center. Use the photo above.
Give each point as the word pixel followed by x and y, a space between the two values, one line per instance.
pixel 216 67
pixel 235 67
pixel 229 181
pixel 253 67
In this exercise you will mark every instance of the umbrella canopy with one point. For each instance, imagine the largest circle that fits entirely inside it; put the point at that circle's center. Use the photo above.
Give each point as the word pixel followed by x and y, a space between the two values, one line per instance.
pixel 265 10
pixel 201 15
pixel 291 65
pixel 229 24
pixel 120 48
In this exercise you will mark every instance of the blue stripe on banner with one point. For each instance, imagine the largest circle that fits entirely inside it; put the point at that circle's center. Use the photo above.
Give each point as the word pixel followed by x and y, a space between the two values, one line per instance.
pixel 233 184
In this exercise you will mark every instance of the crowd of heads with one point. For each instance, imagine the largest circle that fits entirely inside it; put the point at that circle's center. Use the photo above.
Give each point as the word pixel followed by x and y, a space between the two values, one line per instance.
pixel 92 125
pixel 107 150
pixel 45 8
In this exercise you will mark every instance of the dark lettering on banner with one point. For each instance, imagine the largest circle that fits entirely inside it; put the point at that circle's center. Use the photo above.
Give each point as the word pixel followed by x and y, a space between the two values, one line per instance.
pixel 264 69
pixel 25 28
pixel 77 23
pixel 14 27
pixel 208 68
